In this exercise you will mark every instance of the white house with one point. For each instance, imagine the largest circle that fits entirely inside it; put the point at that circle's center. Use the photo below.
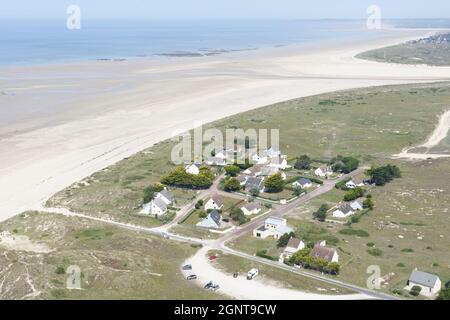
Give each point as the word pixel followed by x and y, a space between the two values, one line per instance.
pixel 323 171
pixel 166 196
pixel 429 283
pixel 352 184
pixel 303 183
pixel 272 227
pixel 357 205
pixel 343 211
pixel 214 203
pixel 278 162
pixel 251 209
pixel 254 171
pixel 321 251
pixel 260 159
pixel 192 169
pixel 157 207
pixel 211 221
pixel 292 247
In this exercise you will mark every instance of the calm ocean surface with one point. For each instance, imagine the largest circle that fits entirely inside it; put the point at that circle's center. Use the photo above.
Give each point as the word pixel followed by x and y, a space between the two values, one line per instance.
pixel 37 42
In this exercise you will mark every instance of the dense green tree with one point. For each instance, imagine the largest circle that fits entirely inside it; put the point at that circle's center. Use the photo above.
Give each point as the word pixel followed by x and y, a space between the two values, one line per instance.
pixel 274 183
pixel 150 192
pixel 382 175
pixel 368 204
pixel 236 214
pixel 321 213
pixel 232 184
pixel 254 192
pixel 232 170
pixel 444 294
pixel 354 194
pixel 303 163
pixel 284 239
pixel 344 164
pixel 180 178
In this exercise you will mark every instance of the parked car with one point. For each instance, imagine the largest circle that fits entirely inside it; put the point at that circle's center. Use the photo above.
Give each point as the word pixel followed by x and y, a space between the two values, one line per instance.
pixel 213 257
pixel 192 277
pixel 235 275
pixel 208 285
pixel 252 274
pixel 187 267
pixel 214 287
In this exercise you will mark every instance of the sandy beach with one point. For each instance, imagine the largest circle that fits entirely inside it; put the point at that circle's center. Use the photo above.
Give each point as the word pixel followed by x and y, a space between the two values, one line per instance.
pixel 82 117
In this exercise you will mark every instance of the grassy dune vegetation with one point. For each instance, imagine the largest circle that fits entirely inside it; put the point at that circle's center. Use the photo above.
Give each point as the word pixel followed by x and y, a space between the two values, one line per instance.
pixel 412 53
pixel 114 263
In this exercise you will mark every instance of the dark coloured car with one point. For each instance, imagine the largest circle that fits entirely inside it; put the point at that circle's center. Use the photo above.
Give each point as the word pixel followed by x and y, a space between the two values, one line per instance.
pixel 187 267
pixel 192 277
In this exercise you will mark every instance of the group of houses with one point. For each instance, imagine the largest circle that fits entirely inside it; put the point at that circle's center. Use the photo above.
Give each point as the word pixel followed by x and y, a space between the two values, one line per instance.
pixel 268 163
pixel 214 207
pixel 158 206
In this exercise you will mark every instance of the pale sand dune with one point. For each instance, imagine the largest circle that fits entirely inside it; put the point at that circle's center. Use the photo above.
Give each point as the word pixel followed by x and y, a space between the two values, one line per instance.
pixel 83 117
pixel 440 133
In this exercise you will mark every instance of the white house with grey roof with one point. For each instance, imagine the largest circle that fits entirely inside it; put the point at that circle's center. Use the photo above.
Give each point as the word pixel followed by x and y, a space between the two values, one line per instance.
pixel 272 227
pixel 254 183
pixel 303 183
pixel 166 196
pixel 429 283
pixel 251 209
pixel 157 207
pixel 214 203
pixel 212 220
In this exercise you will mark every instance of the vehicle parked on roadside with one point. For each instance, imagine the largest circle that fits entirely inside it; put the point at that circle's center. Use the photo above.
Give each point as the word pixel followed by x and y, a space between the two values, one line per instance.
pixel 213 257
pixel 208 285
pixel 252 274
pixel 187 267
pixel 192 277
pixel 235 275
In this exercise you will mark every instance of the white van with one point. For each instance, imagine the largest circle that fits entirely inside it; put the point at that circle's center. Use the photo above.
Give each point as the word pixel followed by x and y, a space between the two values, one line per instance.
pixel 252 274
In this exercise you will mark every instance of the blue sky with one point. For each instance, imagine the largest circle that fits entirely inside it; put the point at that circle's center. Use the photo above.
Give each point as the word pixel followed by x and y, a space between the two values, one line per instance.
pixel 224 9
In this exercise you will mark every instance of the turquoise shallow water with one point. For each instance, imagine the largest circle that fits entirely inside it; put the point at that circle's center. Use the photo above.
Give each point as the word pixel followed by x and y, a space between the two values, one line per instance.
pixel 36 42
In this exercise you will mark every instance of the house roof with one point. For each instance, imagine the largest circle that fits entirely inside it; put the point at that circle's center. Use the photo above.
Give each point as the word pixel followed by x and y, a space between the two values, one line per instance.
pixel 322 252
pixel 269 171
pixel 423 278
pixel 167 194
pixel 215 216
pixel 325 169
pixel 254 182
pixel 274 220
pixel 242 178
pixel 160 204
pixel 284 229
pixel 293 243
pixel 345 208
pixel 254 169
pixel 303 181
pixel 252 206
pixel 217 199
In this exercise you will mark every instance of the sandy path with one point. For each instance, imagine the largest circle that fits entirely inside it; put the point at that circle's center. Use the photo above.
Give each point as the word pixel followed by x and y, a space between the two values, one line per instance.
pixel 440 133
pixel 256 289
pixel 84 117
